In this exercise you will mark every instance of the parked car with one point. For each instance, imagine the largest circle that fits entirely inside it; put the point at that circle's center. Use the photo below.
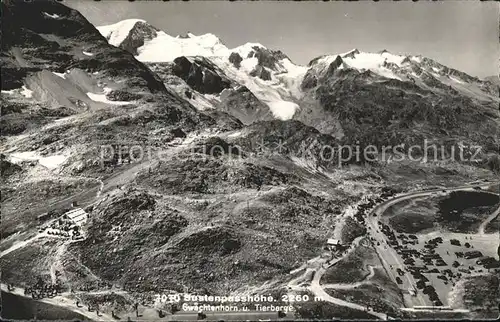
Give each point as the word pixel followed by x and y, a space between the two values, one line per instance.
pixel 494 264
pixel 409 261
pixel 473 254
pixel 420 284
pixel 442 277
pixel 441 263
pixel 485 260
pixel 433 297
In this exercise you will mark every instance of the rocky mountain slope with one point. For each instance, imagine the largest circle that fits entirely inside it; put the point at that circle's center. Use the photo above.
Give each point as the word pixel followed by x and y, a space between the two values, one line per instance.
pixel 66 92
pixel 204 167
pixel 355 96
pixel 269 75
pixel 335 83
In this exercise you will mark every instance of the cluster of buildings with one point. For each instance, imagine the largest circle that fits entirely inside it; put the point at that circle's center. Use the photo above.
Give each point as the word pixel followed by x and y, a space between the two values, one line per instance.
pixel 68 225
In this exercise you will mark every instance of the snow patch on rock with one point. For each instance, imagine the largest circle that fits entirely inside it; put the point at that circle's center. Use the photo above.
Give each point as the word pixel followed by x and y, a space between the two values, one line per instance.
pixel 375 62
pixel 283 110
pixel 53 162
pixel 50 162
pixel 62 75
pixel 26 92
pixel 52 15
pixel 244 50
pixel 103 99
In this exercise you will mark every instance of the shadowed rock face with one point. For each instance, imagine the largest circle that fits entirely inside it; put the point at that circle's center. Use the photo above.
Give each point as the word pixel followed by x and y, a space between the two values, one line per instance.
pixel 267 61
pixel 235 59
pixel 8 168
pixel 261 72
pixel 242 104
pixel 201 75
pixel 266 57
pixel 374 109
pixel 137 37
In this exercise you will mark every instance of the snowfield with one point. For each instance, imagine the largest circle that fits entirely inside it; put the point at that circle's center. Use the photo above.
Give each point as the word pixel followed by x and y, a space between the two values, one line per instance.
pixel 165 48
pixel 52 15
pixel 273 93
pixel 103 99
pixel 26 92
pixel 50 162
pixel 375 62
pixel 283 110
pixel 364 60
pixel 60 75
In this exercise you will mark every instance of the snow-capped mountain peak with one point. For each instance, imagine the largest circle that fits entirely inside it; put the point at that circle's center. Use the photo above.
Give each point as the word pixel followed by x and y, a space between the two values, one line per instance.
pixel 152 45
pixel 269 74
pixel 118 32
pixel 417 69
pixel 245 50
pixel 382 63
pixel 350 53
pixel 165 48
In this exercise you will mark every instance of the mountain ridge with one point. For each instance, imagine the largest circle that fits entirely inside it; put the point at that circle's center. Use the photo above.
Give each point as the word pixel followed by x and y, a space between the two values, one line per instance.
pixel 271 63
pixel 204 174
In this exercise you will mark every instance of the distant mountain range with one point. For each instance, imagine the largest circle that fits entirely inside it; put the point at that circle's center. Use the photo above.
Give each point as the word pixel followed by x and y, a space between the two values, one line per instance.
pixel 350 95
pixel 273 78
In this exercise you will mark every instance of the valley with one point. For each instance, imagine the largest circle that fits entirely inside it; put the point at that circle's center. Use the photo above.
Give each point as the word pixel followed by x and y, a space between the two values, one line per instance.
pixel 139 168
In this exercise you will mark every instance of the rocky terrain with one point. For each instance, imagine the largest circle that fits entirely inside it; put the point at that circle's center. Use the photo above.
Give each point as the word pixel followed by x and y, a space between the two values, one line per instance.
pixel 204 168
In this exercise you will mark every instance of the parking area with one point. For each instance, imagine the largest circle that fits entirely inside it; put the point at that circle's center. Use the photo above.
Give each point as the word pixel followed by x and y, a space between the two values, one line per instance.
pixel 436 261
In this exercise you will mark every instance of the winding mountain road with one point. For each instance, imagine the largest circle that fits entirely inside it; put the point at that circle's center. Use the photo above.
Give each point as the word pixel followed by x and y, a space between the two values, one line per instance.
pixel 318 290
pixel 350 286
pixel 485 223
